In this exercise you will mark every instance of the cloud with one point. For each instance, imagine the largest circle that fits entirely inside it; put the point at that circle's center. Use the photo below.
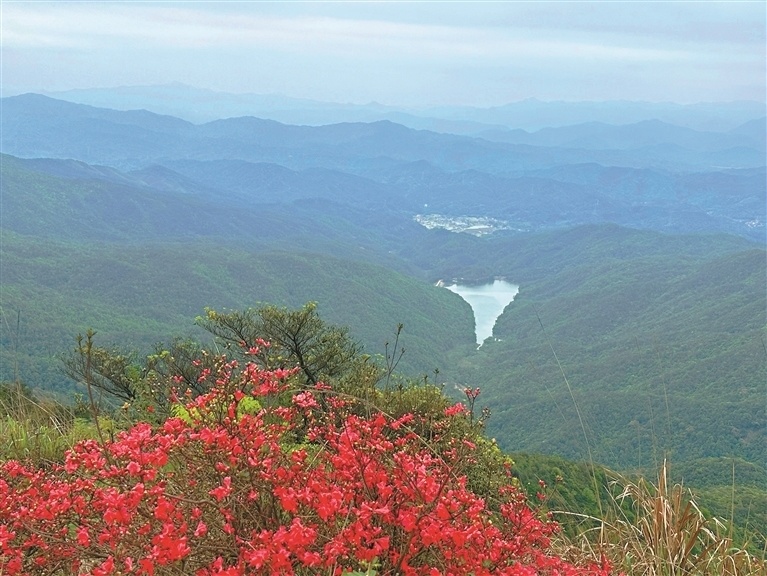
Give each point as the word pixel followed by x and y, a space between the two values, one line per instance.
pixel 91 27
pixel 411 48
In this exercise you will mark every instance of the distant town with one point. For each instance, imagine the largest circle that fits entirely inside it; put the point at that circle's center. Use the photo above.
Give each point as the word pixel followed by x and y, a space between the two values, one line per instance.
pixel 475 225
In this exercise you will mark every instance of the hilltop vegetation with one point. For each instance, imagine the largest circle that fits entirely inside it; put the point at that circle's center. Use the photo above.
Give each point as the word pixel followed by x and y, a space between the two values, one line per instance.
pixel 280 472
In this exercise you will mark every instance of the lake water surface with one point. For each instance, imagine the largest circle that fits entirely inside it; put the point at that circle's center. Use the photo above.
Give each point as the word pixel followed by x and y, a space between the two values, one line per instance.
pixel 487 301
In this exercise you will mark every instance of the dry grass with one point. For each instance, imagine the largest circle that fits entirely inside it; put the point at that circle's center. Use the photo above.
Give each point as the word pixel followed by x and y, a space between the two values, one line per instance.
pixel 658 530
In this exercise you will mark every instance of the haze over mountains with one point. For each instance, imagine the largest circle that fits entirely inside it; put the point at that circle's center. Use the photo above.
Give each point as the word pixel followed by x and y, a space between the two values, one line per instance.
pixel 200 105
pixel 635 231
pixel 649 175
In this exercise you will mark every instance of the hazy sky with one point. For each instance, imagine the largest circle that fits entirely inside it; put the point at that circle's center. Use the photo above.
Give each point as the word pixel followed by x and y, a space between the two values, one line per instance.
pixel 402 53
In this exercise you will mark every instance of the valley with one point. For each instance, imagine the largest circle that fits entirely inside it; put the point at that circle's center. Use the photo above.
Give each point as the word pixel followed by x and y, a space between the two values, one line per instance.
pixel 639 250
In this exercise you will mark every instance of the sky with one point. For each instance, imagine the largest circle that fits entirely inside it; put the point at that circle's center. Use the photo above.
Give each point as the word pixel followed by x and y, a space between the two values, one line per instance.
pixel 396 53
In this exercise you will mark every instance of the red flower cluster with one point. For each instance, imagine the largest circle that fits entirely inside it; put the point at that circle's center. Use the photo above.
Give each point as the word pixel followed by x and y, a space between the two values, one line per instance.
pixel 288 489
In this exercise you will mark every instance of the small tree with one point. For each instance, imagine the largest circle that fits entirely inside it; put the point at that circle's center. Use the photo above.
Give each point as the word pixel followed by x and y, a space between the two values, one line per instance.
pixel 300 338
pixel 109 371
pixel 272 336
pixel 123 377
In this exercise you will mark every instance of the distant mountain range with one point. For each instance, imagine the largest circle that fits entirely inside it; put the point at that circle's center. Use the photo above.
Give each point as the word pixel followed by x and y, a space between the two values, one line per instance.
pixel 647 175
pixel 200 105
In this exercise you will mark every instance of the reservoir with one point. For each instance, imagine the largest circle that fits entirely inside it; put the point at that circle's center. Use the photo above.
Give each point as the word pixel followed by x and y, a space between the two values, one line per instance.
pixel 487 301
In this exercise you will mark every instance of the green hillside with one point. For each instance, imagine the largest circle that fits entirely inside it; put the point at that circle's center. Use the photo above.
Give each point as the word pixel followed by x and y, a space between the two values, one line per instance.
pixel 662 355
pixel 134 295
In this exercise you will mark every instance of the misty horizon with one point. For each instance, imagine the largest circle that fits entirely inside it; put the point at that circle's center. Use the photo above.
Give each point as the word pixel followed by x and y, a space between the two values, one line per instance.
pixel 406 55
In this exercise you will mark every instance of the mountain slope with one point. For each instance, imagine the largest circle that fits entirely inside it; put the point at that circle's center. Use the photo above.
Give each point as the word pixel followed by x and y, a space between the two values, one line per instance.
pixel 134 295
pixel 35 125
pixel 662 355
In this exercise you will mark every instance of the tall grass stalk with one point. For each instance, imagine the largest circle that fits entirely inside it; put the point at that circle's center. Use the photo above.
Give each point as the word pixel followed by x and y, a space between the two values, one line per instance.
pixel 659 530
pixel 34 430
pixel 577 411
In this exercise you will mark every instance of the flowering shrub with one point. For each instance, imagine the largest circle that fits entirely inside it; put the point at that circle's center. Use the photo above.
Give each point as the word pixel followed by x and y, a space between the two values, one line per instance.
pixel 295 484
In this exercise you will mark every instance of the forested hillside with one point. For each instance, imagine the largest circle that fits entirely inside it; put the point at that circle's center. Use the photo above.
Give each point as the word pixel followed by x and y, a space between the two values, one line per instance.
pixel 654 352
pixel 134 296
